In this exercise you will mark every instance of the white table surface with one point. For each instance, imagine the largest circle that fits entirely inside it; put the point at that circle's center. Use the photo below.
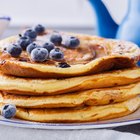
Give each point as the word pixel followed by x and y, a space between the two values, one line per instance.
pixel 14 133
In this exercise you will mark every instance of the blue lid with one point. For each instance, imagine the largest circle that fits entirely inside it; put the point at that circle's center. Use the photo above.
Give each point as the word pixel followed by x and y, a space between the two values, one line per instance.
pixel 5 17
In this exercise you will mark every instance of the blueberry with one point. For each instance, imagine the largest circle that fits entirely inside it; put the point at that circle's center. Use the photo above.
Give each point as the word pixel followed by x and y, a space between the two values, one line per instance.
pixel 39 29
pixel 8 111
pixel 30 33
pixel 24 41
pixel 56 54
pixel 39 54
pixel 63 65
pixel 71 42
pixel 30 47
pixel 49 46
pixel 14 50
pixel 56 38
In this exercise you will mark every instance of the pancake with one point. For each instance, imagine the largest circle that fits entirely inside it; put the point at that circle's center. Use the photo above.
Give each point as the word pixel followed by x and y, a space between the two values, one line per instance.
pixel 27 86
pixel 90 97
pixel 110 54
pixel 84 114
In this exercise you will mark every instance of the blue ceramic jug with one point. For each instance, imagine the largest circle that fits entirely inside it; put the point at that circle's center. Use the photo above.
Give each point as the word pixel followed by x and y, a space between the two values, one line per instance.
pixel 129 29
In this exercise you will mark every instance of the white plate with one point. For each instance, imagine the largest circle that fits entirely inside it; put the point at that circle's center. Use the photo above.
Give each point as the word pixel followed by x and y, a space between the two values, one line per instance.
pixel 127 120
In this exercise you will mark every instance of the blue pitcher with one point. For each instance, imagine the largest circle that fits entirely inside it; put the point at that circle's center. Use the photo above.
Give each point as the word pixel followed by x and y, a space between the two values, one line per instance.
pixel 129 29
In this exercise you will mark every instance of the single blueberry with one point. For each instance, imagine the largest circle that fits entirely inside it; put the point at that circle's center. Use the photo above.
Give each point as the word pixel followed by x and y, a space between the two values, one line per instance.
pixel 71 42
pixel 8 111
pixel 39 54
pixel 49 46
pixel 56 38
pixel 39 29
pixel 30 33
pixel 30 47
pixel 63 65
pixel 56 54
pixel 14 50
pixel 24 41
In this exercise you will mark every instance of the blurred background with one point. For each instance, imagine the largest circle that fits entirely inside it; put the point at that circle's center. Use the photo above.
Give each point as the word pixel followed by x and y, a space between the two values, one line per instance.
pixel 66 15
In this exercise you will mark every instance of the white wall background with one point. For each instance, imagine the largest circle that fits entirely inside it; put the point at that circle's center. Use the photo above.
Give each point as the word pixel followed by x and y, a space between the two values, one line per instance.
pixel 66 13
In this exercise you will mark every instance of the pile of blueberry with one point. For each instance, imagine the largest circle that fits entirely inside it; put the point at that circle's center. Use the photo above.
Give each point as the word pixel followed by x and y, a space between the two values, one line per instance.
pixel 44 52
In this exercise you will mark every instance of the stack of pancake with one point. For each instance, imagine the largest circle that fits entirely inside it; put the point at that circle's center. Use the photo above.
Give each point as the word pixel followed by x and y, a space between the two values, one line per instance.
pixel 93 88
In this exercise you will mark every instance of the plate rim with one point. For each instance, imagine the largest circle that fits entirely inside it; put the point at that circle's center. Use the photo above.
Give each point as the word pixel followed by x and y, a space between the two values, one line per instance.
pixel 65 126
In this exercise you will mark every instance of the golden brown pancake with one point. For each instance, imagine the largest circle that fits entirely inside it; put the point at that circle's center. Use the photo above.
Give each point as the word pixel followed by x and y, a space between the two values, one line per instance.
pixel 110 54
pixel 89 97
pixel 27 86
pixel 84 114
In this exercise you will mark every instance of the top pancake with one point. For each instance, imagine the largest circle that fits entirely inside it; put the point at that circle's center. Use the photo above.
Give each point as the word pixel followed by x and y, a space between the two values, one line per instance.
pixel 110 54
